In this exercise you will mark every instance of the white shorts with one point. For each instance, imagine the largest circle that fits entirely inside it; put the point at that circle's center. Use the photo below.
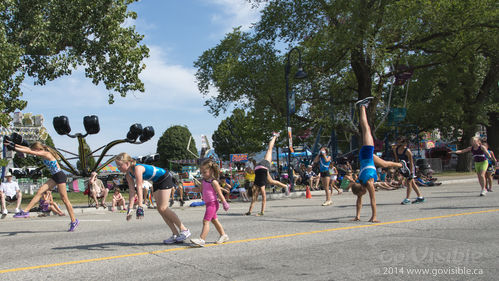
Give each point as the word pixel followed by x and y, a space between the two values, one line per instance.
pixel 242 189
pixel 334 178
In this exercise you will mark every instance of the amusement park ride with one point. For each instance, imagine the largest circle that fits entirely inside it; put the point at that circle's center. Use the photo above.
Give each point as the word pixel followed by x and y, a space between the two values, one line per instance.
pixel 22 134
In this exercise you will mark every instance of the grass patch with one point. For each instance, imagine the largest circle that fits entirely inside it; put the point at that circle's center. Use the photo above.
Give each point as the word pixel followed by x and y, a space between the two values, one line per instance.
pixel 76 198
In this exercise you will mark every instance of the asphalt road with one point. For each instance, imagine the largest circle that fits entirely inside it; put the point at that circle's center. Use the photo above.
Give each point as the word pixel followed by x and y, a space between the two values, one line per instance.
pixel 453 236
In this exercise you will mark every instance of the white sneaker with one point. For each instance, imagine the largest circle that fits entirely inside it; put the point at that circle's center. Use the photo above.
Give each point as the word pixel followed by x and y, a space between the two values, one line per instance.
pixel 198 242
pixel 327 203
pixel 171 240
pixel 18 210
pixel 224 238
pixel 288 190
pixel 483 192
pixel 4 212
pixel 183 235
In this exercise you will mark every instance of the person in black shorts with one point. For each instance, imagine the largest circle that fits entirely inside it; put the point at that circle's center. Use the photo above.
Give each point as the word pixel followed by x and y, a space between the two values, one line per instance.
pixel 49 157
pixel 262 178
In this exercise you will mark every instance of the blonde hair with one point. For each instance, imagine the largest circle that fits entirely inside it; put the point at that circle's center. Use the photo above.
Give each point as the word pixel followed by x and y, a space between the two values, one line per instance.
pixel 39 145
pixel 124 157
pixel 477 139
pixel 213 166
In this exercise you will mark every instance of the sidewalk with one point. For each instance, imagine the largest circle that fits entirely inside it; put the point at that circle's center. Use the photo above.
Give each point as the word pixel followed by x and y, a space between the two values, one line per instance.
pixel 81 209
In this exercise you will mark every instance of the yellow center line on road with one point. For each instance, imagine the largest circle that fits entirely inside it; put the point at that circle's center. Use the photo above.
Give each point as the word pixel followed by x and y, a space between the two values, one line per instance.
pixel 245 240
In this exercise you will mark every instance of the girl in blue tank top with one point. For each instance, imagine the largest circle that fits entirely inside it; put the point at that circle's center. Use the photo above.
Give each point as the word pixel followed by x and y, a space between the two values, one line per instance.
pixel 324 161
pixel 49 157
pixel 162 187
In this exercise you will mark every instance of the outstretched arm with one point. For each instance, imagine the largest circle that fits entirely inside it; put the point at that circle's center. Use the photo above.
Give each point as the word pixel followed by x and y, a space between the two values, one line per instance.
pixel 462 150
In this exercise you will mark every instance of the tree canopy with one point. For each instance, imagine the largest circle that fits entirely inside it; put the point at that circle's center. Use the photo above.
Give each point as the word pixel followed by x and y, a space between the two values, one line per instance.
pixel 355 49
pixel 47 39
pixel 172 145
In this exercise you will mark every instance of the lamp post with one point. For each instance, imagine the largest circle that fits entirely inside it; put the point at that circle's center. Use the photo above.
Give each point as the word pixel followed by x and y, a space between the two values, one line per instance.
pixel 300 74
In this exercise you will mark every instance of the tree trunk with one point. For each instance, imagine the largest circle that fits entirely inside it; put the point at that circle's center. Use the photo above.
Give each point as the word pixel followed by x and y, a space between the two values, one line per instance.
pixel 493 132
pixel 464 160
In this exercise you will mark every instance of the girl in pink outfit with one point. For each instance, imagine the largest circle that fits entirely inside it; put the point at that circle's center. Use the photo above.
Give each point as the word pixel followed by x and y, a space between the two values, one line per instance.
pixel 210 188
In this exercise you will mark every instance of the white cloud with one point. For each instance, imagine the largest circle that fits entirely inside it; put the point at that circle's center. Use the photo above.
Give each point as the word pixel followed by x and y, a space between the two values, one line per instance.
pixel 236 13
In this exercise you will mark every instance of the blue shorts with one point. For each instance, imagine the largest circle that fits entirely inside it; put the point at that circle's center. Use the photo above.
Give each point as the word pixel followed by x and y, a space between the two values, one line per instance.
pixel 367 168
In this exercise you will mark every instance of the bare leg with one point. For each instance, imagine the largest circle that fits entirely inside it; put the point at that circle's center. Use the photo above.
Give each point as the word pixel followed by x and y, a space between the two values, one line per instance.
pixel 367 138
pixel 55 208
pixel 268 154
pixel 46 186
pixel 218 226
pixel 481 179
pixel 264 198
pixel 325 184
pixel 4 205
pixel 171 219
pixel 64 196
pixel 105 192
pixel 385 164
pixel 205 230
pixel 372 196
pixel 254 197
pixel 19 199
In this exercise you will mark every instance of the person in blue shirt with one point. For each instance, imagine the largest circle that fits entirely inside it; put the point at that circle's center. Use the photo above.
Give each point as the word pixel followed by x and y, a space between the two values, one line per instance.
pixel 368 160
pixel 49 157
pixel 162 184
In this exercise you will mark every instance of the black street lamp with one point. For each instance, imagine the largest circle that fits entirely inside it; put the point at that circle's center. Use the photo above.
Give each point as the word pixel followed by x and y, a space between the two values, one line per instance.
pixel 300 74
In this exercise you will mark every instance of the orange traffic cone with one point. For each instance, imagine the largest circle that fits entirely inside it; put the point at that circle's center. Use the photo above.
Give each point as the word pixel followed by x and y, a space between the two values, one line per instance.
pixel 308 195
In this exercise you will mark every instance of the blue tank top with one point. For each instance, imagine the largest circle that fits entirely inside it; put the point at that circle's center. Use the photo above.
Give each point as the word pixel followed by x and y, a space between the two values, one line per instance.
pixel 52 166
pixel 151 173
pixel 324 165
pixel 490 159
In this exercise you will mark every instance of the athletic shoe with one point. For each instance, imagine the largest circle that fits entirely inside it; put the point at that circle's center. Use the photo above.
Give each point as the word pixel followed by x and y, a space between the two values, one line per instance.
pixel 259 214
pixel 419 200
pixel 171 202
pixel 405 169
pixel 183 235
pixel 224 238
pixel 288 190
pixel 327 203
pixel 21 214
pixel 171 240
pixel 406 202
pixel 198 242
pixel 182 203
pixel 4 212
pixel 483 193
pixel 139 213
pixel 364 102
pixel 73 225
pixel 247 214
pixel 17 210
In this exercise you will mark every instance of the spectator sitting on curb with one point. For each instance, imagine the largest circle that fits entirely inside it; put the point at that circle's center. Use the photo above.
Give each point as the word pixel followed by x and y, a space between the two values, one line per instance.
pixel 10 192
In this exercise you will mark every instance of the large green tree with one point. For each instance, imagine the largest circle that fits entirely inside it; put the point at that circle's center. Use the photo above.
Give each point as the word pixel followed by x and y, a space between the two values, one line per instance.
pixel 172 145
pixel 351 50
pixel 238 133
pixel 47 39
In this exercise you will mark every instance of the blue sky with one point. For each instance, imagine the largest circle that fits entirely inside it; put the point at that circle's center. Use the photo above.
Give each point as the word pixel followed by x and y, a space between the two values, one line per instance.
pixel 177 32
